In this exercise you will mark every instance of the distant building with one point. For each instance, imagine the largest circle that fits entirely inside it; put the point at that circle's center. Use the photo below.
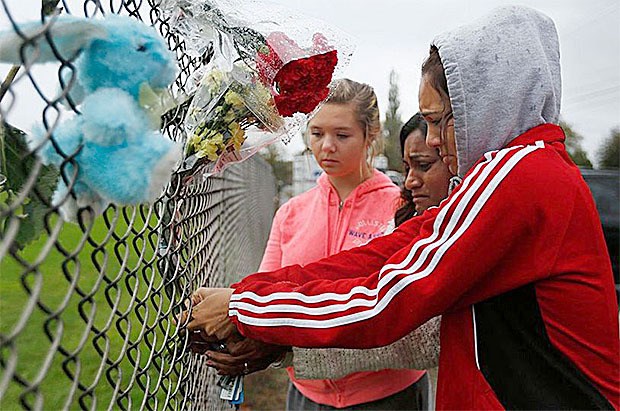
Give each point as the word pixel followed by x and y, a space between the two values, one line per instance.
pixel 380 162
pixel 396 177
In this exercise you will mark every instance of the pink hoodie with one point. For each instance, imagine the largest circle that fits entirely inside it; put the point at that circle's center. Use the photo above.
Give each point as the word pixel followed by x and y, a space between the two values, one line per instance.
pixel 312 226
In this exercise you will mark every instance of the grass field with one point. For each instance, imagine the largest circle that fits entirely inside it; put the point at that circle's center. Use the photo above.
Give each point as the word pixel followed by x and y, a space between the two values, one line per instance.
pixel 78 301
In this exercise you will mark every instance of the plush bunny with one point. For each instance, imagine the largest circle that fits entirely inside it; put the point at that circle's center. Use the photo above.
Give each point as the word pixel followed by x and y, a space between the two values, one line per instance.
pixel 119 154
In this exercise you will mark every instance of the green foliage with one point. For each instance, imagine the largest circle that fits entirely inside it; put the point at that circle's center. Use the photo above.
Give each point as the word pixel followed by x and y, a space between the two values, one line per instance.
pixel 48 7
pixel 282 169
pixel 573 146
pixel 609 152
pixel 392 126
pixel 17 165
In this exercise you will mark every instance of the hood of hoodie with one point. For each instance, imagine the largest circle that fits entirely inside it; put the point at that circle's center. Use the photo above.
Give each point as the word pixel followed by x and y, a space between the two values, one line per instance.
pixel 503 75
pixel 378 181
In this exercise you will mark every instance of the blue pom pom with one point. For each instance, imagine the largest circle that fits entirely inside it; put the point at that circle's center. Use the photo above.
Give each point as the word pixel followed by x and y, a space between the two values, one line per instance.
pixel 111 124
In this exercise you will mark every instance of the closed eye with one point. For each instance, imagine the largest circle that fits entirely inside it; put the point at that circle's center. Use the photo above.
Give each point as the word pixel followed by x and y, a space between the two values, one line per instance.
pixel 424 166
pixel 434 122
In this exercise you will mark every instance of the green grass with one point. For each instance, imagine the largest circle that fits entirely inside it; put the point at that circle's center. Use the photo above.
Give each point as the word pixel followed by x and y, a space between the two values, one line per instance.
pixel 31 338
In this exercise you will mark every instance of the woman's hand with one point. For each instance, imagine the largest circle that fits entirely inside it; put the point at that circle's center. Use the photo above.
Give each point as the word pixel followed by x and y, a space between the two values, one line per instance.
pixel 210 312
pixel 244 356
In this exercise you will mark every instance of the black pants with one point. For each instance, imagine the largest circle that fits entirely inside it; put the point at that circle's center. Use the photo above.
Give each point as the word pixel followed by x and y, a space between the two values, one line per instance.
pixel 414 397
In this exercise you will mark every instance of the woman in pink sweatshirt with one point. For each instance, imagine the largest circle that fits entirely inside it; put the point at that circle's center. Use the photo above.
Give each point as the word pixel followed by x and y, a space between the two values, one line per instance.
pixel 351 204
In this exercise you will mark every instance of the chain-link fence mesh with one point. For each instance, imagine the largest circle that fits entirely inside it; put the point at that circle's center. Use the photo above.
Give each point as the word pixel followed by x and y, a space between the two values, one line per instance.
pixel 87 310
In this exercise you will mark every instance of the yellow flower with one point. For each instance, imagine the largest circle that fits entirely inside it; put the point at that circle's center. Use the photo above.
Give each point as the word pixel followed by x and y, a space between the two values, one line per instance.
pixel 262 93
pixel 194 141
pixel 211 147
pixel 213 79
pixel 238 135
pixel 234 99
pixel 229 117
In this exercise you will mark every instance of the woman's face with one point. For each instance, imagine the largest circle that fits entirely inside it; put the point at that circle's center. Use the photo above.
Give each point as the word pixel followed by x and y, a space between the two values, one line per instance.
pixel 433 109
pixel 337 140
pixel 427 176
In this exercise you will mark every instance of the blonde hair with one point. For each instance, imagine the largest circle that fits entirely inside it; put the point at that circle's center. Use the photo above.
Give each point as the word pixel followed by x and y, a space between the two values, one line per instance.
pixel 364 101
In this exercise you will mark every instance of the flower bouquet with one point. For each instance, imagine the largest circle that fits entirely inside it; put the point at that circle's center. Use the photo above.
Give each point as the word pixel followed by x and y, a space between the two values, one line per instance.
pixel 270 70
pixel 229 118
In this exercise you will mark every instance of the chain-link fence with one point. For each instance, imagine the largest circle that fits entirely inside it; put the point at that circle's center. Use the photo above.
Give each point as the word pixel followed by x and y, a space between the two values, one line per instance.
pixel 87 310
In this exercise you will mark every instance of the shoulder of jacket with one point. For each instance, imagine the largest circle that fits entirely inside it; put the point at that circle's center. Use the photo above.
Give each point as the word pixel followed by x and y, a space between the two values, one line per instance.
pixel 534 176
pixel 546 166
pixel 300 201
pixel 393 190
pixel 386 195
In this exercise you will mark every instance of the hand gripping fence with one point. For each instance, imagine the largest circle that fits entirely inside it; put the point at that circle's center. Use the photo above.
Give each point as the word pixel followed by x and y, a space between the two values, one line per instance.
pixel 87 310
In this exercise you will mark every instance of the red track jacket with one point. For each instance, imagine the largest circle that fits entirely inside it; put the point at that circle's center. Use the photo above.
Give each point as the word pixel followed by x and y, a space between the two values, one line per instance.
pixel 514 259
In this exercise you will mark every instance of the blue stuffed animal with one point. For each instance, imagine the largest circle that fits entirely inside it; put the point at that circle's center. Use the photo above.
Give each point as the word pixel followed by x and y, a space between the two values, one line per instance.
pixel 120 155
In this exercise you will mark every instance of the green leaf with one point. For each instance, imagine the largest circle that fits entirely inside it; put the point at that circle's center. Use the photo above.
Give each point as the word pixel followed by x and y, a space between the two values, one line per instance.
pixel 47 181
pixel 31 225
pixel 48 7
pixel 17 165
pixel 16 159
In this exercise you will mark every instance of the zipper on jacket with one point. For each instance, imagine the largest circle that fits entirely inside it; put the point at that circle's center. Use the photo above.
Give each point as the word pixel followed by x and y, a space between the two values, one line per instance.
pixel 335 239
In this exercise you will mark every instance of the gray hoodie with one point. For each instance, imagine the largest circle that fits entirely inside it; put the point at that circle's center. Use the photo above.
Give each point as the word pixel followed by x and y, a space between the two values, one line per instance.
pixel 503 74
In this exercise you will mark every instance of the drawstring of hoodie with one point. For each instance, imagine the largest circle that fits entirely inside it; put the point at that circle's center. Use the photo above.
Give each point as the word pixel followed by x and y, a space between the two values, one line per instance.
pixel 358 191
pixel 329 222
pixel 352 200
pixel 454 182
pixel 331 237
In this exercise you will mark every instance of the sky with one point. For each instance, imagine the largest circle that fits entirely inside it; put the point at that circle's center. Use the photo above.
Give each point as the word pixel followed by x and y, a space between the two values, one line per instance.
pixel 395 35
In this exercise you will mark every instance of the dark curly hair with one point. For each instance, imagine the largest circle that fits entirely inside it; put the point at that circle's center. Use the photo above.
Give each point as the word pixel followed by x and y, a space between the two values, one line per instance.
pixel 433 69
pixel 407 210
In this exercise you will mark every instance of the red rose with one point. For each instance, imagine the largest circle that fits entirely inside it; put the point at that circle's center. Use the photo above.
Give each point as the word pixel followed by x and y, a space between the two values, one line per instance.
pixel 302 83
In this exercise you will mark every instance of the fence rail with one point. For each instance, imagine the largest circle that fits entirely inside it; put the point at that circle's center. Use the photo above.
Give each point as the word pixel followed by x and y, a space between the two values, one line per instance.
pixel 87 310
